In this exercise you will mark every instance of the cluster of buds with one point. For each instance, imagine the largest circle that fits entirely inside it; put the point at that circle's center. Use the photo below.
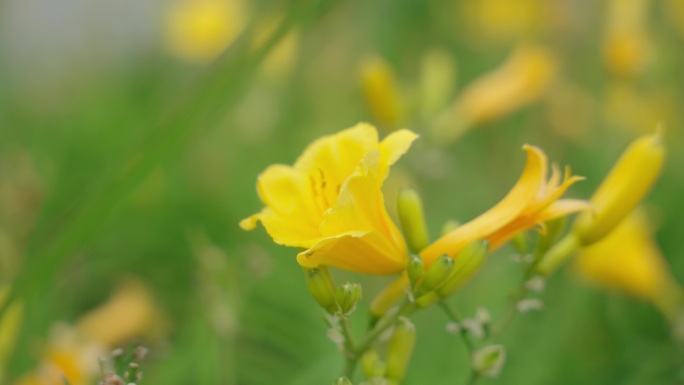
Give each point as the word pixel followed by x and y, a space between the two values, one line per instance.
pixel 446 275
pixel 341 300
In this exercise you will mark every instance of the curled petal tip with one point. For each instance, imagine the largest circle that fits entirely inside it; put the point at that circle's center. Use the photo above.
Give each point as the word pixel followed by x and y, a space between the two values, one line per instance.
pixel 249 223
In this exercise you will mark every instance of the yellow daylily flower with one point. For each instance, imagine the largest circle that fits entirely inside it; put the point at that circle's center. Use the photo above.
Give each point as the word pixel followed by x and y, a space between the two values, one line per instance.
pixel 330 202
pixel 532 201
pixel 628 260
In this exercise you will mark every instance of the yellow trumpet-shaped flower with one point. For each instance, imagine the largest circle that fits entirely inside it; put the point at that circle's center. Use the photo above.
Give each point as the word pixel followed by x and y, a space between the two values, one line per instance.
pixel 533 200
pixel 524 78
pixel 331 204
pixel 628 260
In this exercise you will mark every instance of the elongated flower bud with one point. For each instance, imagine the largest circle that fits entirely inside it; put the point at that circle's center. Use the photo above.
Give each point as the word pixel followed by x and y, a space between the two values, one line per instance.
pixel 437 273
pixel 467 263
pixel 371 364
pixel 320 285
pixel 415 268
pixel 400 349
pixel 347 296
pixel 625 186
pixel 412 218
pixel 381 91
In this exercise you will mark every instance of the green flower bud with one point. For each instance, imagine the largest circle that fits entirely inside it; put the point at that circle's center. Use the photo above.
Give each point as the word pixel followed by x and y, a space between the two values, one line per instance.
pixel 400 349
pixel 520 243
pixel 466 264
pixel 347 296
pixel 320 285
pixel 412 218
pixel 437 273
pixel 415 268
pixel 372 365
pixel 489 360
pixel 343 381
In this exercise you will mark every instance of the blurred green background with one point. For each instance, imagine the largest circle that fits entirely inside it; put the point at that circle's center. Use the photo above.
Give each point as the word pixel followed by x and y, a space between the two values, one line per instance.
pixel 123 155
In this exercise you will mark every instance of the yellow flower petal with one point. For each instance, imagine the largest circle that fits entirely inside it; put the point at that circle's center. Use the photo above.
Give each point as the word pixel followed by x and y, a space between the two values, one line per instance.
pixel 524 191
pixel 359 214
pixel 626 260
pixel 557 209
pixel 363 252
pixel 392 148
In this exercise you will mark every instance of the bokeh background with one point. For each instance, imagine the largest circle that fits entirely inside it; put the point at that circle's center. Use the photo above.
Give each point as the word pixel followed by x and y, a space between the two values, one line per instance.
pixel 132 132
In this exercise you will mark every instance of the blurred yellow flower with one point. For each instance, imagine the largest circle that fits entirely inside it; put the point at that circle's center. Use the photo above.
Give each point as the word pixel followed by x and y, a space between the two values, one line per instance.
pixel 626 46
pixel 73 352
pixel 505 20
pixel 199 30
pixel 381 92
pixel 331 204
pixel 523 79
pixel 627 260
pixel 532 201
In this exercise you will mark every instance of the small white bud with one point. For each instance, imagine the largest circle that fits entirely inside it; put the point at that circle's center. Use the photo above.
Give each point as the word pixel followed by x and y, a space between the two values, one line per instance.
pixel 453 328
pixel 528 305
pixel 474 327
pixel 536 284
pixel 482 316
pixel 335 335
pixel 489 360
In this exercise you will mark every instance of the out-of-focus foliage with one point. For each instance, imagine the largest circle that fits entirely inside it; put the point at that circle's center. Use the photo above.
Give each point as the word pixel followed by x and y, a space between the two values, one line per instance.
pixel 130 145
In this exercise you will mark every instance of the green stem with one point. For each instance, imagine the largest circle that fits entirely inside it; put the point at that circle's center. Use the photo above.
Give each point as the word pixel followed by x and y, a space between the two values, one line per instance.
pixel 511 311
pixel 382 325
pixel 453 316
pixel 474 378
pixel 350 357
pixel 353 352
